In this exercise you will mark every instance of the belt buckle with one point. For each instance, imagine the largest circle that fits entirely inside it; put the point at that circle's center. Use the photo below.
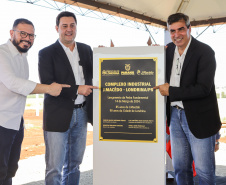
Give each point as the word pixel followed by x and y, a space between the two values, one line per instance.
pixel 82 105
pixel 79 105
pixel 178 108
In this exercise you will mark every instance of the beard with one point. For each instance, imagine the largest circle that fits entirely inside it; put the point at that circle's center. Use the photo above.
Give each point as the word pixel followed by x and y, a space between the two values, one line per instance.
pixel 20 49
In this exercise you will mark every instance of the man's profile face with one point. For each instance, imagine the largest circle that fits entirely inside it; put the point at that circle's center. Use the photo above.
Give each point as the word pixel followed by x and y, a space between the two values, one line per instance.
pixel 23 44
pixel 180 34
pixel 67 30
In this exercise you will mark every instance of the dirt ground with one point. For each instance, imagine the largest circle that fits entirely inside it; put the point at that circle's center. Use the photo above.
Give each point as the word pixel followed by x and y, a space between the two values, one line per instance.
pixel 33 143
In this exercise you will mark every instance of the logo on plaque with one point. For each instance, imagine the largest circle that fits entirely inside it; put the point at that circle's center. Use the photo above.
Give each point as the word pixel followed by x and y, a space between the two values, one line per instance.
pixel 127 67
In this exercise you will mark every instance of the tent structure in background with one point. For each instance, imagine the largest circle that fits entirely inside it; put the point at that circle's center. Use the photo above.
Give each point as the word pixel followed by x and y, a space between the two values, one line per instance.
pixel 147 15
pixel 150 12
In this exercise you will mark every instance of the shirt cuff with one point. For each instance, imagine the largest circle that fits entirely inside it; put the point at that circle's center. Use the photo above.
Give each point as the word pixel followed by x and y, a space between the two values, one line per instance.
pixel 28 87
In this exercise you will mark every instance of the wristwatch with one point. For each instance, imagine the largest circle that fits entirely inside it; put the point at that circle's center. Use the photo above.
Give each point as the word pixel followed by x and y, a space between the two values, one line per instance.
pixel 217 143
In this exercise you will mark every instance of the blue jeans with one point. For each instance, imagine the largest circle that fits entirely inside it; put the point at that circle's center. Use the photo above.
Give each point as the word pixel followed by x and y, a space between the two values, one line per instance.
pixel 186 148
pixel 10 148
pixel 65 150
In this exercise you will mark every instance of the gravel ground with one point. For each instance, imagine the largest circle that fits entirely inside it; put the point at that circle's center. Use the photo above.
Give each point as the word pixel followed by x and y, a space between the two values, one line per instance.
pixel 31 171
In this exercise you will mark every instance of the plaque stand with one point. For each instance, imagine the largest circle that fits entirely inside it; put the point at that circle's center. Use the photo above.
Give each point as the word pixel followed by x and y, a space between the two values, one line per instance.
pixel 129 135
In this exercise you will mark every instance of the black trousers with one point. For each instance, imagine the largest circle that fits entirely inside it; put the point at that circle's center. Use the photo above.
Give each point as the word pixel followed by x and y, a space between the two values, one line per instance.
pixel 10 148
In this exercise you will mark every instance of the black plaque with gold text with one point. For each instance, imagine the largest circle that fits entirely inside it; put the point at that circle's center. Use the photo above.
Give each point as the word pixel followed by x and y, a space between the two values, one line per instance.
pixel 128 108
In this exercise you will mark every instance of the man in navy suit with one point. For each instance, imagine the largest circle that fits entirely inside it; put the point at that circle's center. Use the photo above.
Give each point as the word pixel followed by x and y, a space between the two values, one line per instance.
pixel 192 109
pixel 66 116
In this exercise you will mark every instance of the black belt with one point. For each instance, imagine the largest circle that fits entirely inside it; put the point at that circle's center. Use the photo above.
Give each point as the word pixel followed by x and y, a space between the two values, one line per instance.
pixel 177 107
pixel 79 105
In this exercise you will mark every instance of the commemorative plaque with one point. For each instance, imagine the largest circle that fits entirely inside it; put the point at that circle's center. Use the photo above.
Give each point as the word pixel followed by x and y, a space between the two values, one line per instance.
pixel 128 107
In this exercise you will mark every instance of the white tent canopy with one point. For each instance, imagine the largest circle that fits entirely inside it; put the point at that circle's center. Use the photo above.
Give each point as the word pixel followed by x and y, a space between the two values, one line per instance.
pixel 155 12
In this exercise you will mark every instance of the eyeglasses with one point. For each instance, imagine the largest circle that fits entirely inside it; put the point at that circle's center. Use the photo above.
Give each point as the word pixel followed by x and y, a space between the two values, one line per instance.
pixel 24 34
pixel 178 67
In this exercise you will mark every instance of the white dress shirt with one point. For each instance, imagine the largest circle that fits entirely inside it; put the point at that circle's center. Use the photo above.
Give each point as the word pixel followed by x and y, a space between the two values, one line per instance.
pixel 178 62
pixel 73 57
pixel 14 85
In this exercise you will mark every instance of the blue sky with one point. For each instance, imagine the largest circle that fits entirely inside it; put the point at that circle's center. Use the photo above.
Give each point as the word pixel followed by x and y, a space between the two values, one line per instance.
pixel 96 32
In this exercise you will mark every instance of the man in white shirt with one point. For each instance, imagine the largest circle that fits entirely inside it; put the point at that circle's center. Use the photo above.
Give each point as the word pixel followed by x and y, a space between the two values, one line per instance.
pixel 14 87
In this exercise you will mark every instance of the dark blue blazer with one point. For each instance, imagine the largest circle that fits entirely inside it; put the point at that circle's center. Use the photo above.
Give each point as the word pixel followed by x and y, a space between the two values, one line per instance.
pixel 54 66
pixel 197 89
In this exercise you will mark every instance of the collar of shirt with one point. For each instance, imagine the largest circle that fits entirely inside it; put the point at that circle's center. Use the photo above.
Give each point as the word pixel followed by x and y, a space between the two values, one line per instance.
pixel 13 50
pixel 66 48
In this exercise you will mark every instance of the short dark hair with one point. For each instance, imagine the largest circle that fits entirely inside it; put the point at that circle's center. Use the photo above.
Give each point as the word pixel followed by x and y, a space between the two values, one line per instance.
pixel 21 21
pixel 65 14
pixel 178 17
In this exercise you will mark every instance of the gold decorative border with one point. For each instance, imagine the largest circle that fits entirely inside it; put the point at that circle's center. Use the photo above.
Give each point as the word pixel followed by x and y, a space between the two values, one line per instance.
pixel 155 140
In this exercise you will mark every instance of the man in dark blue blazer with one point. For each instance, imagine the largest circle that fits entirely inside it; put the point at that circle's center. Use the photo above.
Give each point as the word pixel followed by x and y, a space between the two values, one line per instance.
pixel 65 117
pixel 192 109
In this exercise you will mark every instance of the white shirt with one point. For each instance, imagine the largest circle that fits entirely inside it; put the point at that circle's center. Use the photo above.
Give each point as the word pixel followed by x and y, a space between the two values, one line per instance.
pixel 178 62
pixel 73 57
pixel 14 86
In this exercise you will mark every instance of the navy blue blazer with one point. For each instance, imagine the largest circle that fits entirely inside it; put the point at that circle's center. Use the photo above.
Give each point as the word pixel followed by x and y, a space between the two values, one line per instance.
pixel 197 89
pixel 54 66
